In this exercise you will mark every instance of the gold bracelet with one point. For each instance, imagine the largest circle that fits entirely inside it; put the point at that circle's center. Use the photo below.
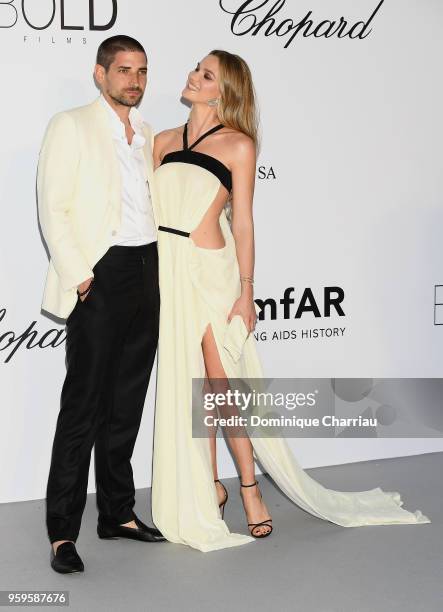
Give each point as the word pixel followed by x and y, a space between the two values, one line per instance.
pixel 247 279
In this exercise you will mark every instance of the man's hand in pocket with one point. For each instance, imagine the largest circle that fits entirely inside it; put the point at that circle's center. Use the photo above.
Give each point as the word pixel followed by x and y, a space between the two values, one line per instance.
pixel 85 286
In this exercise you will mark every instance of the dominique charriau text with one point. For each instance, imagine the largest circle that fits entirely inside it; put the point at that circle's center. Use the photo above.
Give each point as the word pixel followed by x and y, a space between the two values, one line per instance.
pixel 249 18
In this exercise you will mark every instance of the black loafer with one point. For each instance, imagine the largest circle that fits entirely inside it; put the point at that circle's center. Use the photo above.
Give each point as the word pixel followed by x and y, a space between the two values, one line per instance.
pixel 66 560
pixel 143 533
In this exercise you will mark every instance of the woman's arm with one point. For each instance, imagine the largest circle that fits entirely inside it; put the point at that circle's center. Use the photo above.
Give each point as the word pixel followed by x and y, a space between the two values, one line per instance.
pixel 243 163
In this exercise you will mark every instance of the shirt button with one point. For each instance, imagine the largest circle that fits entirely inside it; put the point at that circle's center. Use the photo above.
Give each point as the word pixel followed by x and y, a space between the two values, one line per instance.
pixel 114 233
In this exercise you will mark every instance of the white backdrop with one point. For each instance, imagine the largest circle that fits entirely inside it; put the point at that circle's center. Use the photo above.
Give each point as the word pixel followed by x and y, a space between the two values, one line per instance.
pixel 352 130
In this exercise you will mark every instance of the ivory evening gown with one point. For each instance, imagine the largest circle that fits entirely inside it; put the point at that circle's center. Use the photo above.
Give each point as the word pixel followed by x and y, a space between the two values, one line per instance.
pixel 198 286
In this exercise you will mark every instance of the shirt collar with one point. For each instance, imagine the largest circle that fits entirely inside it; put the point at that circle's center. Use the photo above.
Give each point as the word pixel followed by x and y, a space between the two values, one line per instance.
pixel 118 127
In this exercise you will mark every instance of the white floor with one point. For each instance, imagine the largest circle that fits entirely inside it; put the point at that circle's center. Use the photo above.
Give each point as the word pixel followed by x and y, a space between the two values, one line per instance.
pixel 306 565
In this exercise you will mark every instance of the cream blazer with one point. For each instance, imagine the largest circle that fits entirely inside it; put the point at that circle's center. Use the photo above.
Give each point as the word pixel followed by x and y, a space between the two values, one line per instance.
pixel 79 198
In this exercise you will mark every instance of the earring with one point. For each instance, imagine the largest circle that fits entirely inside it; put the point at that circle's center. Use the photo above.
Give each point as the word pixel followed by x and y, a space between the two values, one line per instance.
pixel 213 102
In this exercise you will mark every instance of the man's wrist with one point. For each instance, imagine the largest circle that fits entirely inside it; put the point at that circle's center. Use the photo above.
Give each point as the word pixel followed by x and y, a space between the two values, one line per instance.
pixel 85 285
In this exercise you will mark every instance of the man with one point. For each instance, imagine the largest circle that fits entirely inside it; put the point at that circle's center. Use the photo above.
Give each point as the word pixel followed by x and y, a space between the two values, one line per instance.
pixel 97 211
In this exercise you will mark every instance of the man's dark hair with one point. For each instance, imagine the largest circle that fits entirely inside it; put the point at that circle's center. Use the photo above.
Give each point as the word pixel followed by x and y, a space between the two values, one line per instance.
pixel 111 46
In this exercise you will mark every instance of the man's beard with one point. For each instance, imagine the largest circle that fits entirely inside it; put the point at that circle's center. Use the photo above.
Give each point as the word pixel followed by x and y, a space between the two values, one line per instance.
pixel 120 99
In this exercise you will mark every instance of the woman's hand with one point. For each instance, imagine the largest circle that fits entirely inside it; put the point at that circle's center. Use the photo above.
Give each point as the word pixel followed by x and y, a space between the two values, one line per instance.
pixel 244 306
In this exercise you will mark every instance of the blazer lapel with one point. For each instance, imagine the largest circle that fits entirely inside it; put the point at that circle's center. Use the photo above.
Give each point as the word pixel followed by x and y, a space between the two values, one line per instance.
pixel 105 135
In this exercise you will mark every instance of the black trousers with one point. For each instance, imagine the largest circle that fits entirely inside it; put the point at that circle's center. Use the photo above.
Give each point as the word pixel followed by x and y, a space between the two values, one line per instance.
pixel 111 340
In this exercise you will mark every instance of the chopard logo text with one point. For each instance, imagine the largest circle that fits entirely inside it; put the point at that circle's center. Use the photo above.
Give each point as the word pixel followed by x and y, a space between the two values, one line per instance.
pixel 11 341
pixel 250 18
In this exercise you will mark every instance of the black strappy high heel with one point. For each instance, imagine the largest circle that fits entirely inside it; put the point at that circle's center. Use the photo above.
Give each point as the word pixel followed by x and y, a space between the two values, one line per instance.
pixel 262 523
pixel 222 504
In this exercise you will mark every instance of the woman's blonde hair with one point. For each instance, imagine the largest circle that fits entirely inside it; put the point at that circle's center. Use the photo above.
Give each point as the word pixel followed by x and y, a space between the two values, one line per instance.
pixel 237 108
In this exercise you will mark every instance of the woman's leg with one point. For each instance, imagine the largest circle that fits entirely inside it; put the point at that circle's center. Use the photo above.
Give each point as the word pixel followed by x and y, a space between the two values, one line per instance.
pixel 213 446
pixel 241 447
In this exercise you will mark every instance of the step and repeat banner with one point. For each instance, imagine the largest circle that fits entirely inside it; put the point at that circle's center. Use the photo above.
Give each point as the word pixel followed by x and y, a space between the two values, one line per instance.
pixel 348 205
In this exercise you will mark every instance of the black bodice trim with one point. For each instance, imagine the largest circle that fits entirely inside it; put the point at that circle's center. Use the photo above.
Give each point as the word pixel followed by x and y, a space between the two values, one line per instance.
pixel 203 160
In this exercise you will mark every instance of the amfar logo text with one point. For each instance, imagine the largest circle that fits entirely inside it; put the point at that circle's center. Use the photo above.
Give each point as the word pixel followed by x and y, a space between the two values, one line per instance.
pixel 306 302
pixel 13 10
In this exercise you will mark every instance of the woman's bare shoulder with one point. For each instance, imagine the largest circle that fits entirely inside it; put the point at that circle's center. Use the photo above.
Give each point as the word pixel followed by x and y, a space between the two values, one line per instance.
pixel 167 140
pixel 241 145
pixel 169 134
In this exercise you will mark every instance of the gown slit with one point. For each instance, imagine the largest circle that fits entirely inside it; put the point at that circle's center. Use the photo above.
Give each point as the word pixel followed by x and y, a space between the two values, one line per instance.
pixel 198 287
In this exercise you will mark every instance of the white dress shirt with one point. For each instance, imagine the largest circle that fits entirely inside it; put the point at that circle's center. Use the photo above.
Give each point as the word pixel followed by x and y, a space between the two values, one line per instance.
pixel 137 218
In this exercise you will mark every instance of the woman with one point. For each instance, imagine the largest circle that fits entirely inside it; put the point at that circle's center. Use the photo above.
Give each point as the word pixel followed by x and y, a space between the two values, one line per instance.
pixel 206 282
